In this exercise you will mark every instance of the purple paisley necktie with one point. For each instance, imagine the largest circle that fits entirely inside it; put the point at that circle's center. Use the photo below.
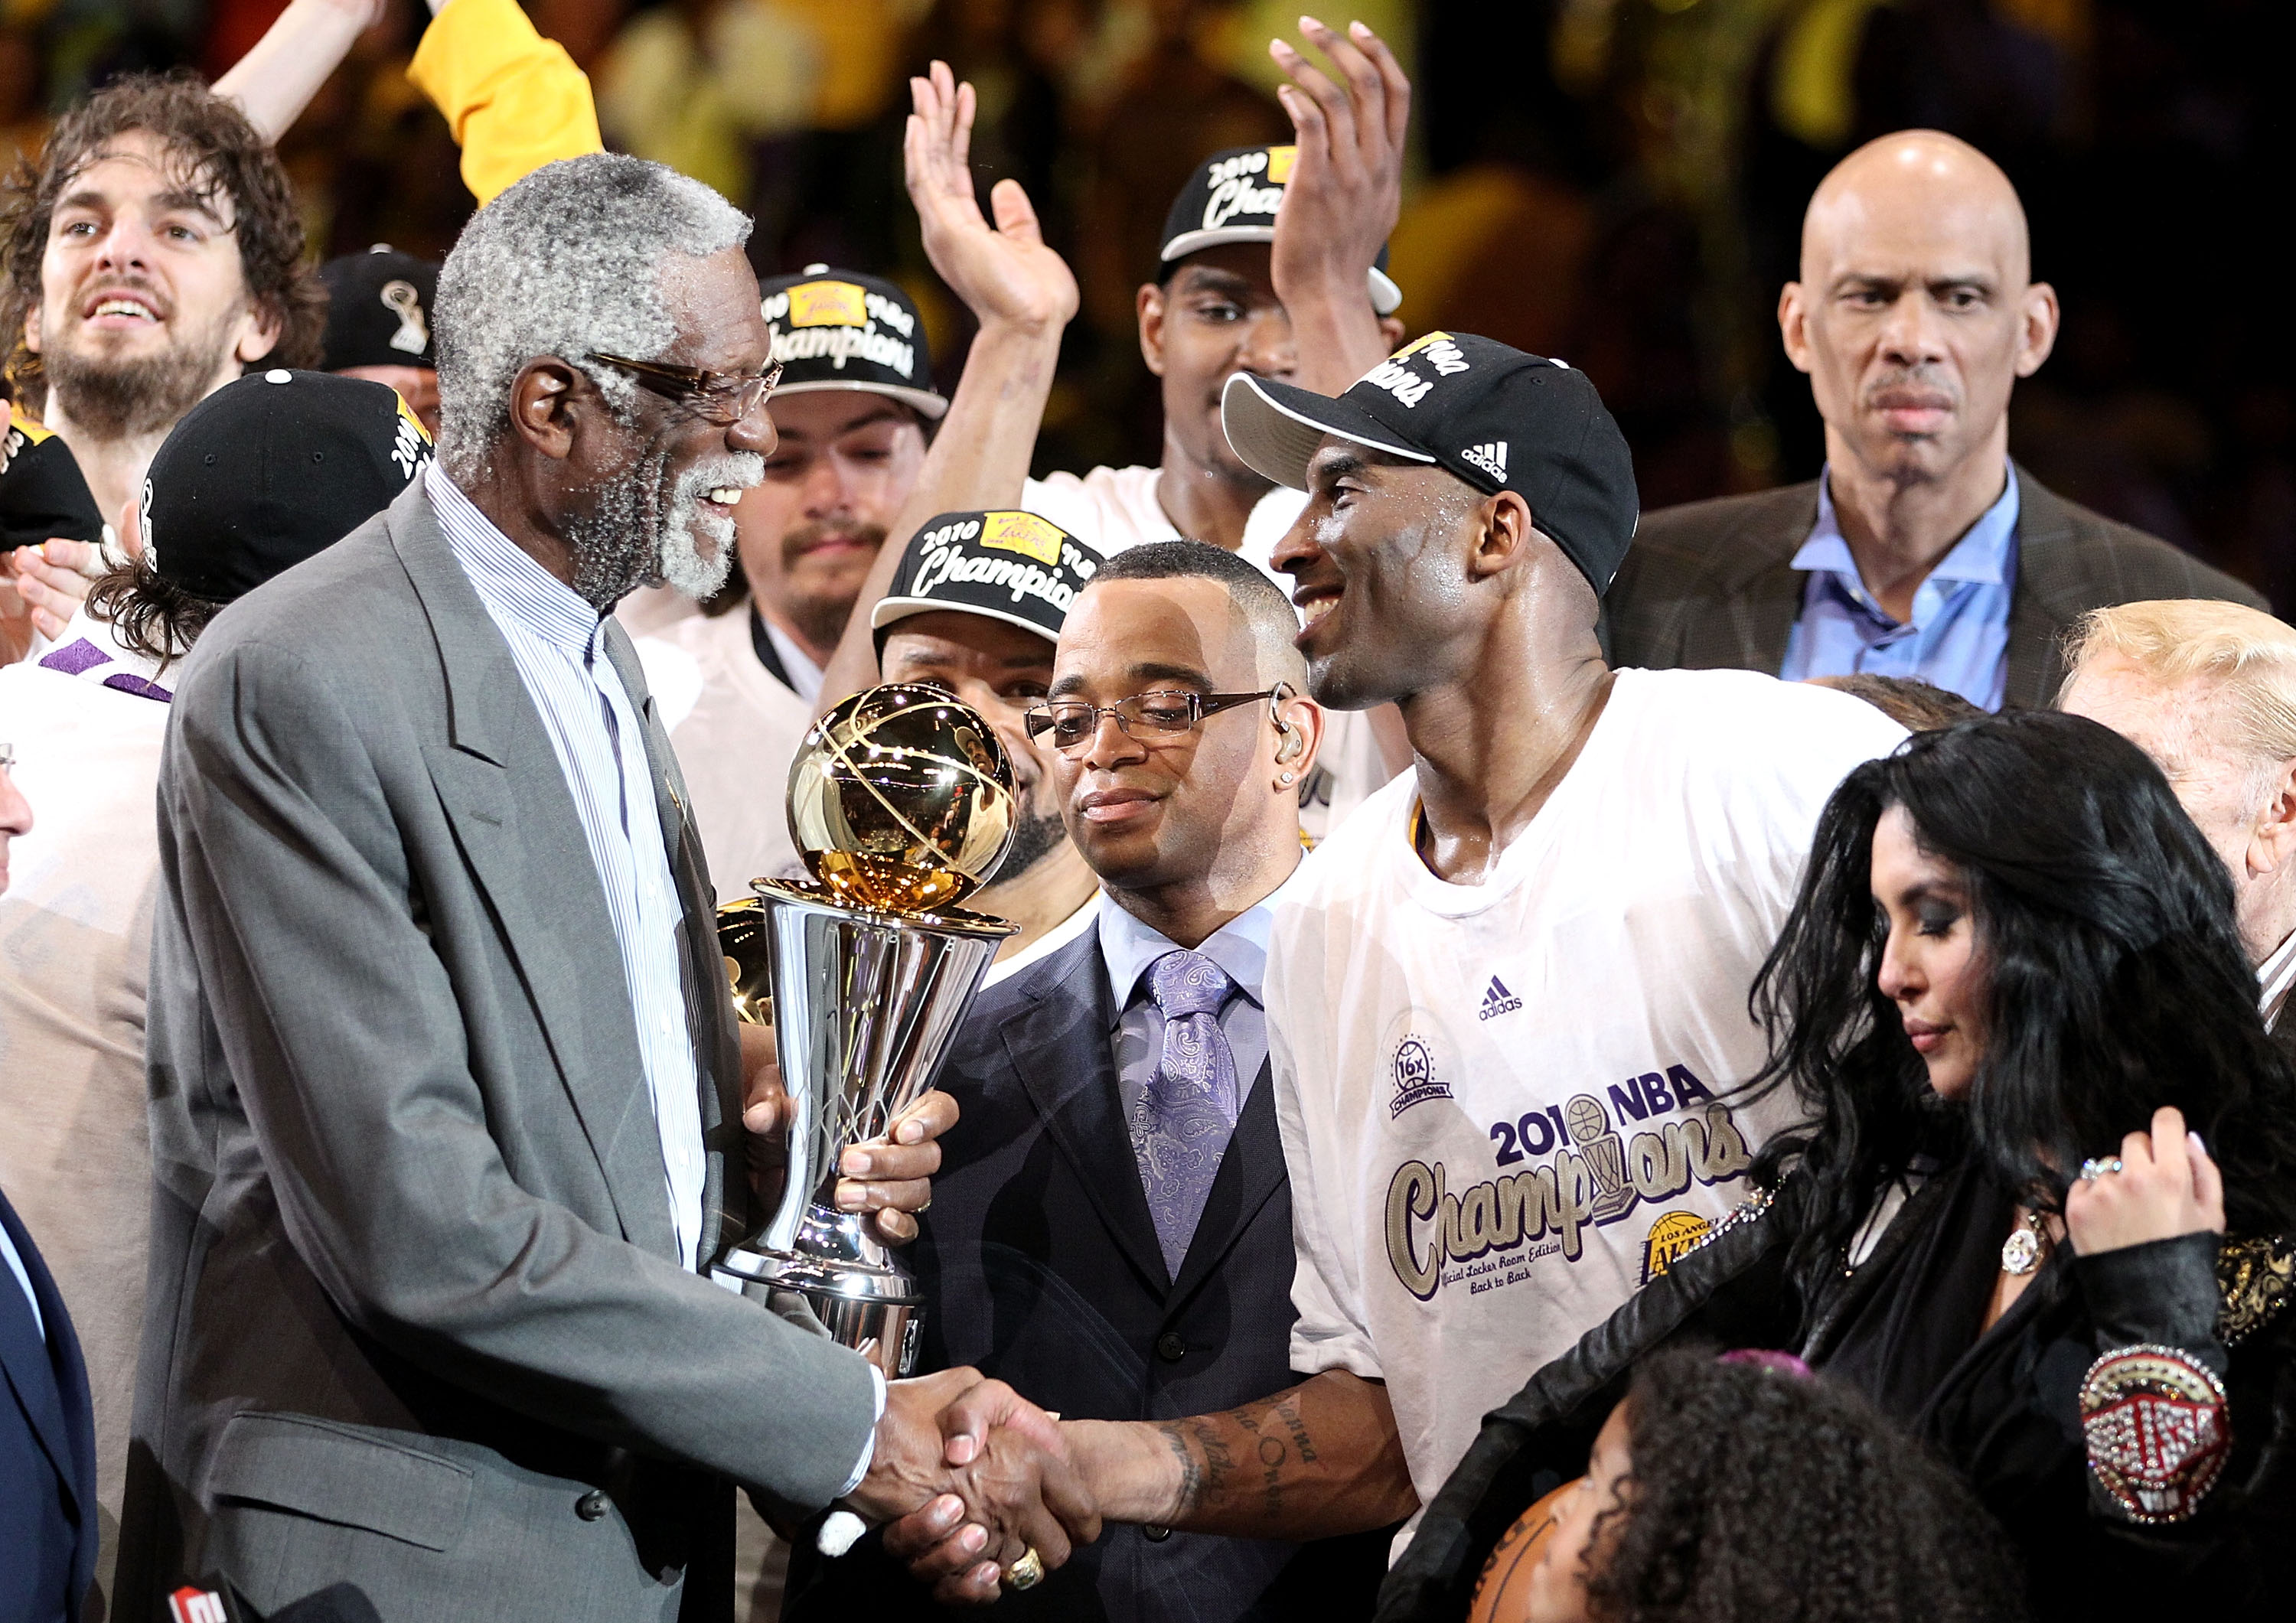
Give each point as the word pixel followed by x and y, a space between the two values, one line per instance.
pixel 1181 1126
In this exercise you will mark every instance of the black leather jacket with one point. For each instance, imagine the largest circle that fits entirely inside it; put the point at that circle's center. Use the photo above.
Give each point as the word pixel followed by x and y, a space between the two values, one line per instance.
pixel 2006 1413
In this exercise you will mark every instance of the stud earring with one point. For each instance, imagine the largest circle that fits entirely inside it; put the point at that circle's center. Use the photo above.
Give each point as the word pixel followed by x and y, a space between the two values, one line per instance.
pixel 1286 778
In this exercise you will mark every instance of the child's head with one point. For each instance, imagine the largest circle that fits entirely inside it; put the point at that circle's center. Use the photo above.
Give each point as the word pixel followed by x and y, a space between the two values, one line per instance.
pixel 1744 1490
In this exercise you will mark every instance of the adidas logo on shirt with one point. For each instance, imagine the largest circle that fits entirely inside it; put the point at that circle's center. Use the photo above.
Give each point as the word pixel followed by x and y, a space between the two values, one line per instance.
pixel 1497 1001
pixel 1489 456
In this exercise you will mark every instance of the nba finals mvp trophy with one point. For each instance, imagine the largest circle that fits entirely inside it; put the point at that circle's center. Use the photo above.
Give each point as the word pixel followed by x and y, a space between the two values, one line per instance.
pixel 900 801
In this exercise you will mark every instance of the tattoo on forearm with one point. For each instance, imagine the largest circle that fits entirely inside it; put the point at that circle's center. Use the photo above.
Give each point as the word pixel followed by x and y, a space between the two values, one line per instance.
pixel 1219 1465
pixel 1205 1448
pixel 1192 1475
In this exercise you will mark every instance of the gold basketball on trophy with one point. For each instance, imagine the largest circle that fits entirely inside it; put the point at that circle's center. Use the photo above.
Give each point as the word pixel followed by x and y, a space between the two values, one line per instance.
pixel 901 800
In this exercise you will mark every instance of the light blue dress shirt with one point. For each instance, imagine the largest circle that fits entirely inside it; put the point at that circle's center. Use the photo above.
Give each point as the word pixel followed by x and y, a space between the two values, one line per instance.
pixel 558 641
pixel 8 1255
pixel 1239 946
pixel 1958 638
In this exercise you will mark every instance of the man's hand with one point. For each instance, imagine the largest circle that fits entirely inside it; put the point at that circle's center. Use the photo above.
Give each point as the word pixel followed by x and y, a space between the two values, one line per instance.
pixel 1319 1459
pixel 1010 1483
pixel 890 1175
pixel 52 581
pixel 997 1443
pixel 1342 200
pixel 2167 1185
pixel 1004 273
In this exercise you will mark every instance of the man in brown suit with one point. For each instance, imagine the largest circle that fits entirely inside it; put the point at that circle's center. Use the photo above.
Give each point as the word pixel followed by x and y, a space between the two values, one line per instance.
pixel 1922 550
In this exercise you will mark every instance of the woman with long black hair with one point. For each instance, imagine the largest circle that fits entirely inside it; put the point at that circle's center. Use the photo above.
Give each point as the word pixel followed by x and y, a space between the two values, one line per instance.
pixel 2045 1211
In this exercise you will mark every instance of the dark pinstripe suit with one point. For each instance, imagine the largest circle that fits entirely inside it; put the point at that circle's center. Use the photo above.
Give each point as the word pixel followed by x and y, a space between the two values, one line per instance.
pixel 1711 584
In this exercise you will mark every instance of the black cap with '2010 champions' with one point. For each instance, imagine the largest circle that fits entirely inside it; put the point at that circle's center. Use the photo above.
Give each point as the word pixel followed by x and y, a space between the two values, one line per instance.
pixel 1492 415
pixel 841 329
pixel 1014 567
pixel 1233 198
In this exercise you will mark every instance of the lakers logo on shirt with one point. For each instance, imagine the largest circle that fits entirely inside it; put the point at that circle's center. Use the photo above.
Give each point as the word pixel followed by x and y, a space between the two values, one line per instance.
pixel 1672 1235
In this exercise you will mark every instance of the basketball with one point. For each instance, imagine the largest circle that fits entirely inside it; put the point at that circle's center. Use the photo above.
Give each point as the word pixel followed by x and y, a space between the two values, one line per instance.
pixel 1503 1593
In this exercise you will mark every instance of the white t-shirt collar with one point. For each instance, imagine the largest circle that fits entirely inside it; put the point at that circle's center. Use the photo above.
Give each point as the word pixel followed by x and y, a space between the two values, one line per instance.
pixel 804 675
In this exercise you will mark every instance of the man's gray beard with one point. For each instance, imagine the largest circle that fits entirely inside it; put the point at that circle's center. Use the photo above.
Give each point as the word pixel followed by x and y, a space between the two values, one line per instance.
pixel 1034 838
pixel 115 399
pixel 639 530
pixel 681 566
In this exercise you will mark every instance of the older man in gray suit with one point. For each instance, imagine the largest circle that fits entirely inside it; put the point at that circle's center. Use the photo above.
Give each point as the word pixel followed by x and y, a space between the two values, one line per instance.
pixel 447 1098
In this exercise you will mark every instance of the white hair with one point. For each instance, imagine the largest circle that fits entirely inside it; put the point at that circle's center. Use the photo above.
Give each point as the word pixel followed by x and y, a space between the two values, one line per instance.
pixel 2228 670
pixel 570 260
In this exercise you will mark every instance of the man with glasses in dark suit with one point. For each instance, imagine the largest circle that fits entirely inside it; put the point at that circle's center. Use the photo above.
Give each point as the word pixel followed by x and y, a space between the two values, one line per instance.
pixel 1111 1232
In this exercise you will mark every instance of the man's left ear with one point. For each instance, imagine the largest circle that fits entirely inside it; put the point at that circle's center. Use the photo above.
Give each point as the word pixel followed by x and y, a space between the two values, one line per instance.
pixel 1391 330
pixel 2272 840
pixel 2040 334
pixel 1503 533
pixel 1299 735
pixel 258 334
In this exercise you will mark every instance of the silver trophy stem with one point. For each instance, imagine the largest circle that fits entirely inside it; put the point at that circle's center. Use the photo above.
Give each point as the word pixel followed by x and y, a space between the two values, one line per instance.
pixel 866 1007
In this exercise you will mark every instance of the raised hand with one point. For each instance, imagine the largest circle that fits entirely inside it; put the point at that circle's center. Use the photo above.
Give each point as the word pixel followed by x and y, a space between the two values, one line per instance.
pixel 1004 272
pixel 1343 196
pixel 1006 1484
pixel 2166 1186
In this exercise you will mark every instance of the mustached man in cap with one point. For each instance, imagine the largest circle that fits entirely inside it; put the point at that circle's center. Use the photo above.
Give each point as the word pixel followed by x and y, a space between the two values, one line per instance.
pixel 739 686
pixel 264 473
pixel 1271 265
pixel 977 606
pixel 1527 959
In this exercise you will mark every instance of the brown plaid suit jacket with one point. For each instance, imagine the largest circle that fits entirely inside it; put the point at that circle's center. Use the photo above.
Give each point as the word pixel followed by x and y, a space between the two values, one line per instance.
pixel 1711 584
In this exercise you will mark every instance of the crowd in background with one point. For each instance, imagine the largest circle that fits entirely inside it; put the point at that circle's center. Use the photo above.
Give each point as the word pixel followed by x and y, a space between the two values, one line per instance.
pixel 1617 182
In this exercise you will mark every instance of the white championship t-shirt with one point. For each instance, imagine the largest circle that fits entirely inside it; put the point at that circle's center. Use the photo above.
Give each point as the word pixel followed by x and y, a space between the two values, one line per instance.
pixel 1502 1104
pixel 1114 509
pixel 735 729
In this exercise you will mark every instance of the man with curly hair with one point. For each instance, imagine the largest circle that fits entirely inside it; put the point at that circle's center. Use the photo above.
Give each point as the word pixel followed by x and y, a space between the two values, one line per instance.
pixel 150 253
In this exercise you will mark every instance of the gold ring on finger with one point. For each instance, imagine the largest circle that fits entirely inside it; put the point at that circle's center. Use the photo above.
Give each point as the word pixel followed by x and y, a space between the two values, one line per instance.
pixel 1026 1572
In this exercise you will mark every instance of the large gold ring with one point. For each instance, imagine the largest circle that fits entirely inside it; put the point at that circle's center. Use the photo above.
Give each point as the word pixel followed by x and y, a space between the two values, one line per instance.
pixel 1026 1572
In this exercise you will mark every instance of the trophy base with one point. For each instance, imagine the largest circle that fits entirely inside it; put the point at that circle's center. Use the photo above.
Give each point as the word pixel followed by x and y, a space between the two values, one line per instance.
pixel 864 1298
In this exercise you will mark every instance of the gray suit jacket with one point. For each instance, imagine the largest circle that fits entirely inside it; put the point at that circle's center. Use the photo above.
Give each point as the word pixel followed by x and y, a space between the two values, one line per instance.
pixel 1712 586
pixel 416 1316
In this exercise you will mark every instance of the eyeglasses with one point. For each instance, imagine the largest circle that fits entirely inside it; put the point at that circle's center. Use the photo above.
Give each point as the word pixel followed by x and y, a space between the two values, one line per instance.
pixel 723 397
pixel 1158 717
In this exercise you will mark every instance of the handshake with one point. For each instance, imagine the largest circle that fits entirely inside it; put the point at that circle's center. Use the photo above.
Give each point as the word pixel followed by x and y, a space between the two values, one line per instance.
pixel 977 1484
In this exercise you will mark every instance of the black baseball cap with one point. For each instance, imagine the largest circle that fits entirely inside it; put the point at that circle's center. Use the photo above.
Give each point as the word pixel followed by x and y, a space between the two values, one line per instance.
pixel 1013 567
pixel 1498 418
pixel 43 496
pixel 269 470
pixel 378 307
pixel 838 329
pixel 1231 197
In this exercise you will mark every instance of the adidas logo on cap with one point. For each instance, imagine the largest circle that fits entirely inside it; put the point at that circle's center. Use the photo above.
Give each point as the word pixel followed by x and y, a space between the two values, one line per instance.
pixel 1490 456
pixel 1497 1001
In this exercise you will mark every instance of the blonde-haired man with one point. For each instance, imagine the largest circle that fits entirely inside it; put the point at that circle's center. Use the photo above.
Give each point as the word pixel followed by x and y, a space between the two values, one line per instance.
pixel 2207 689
